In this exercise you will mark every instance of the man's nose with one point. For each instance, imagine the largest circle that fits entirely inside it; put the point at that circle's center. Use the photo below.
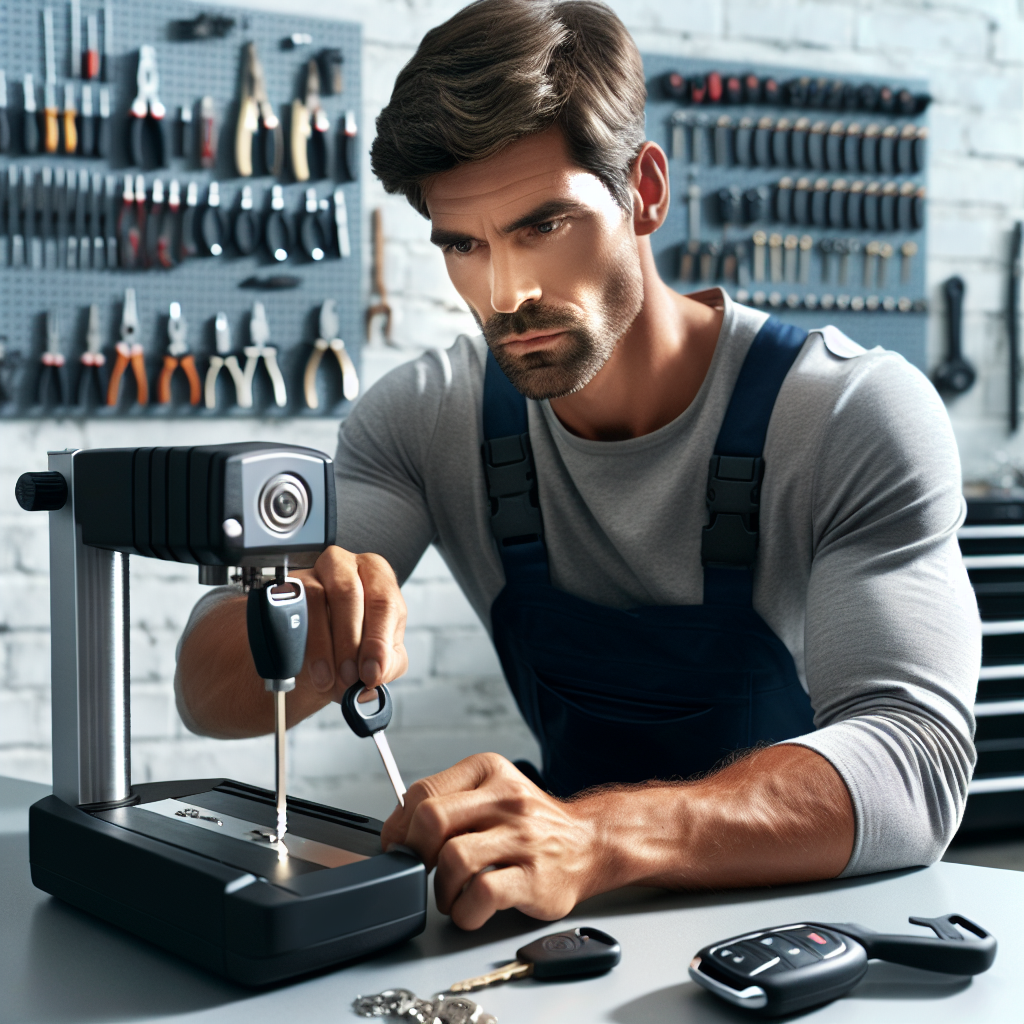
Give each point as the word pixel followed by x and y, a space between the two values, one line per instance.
pixel 512 283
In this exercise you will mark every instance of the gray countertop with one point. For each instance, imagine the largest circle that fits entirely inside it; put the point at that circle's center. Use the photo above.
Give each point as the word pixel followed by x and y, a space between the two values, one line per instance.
pixel 59 964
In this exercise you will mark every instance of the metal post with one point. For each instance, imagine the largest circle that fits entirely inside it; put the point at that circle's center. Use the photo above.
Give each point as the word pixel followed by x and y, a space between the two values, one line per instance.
pixel 88 660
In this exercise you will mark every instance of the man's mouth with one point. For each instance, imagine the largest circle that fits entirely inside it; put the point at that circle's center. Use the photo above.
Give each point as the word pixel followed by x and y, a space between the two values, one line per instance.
pixel 521 343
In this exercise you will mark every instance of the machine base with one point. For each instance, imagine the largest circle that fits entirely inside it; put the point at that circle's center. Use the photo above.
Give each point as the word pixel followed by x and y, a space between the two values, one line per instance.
pixel 232 906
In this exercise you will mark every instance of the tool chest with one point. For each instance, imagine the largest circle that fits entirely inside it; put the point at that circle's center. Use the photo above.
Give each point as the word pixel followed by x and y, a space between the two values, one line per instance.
pixel 800 193
pixel 175 80
pixel 992 544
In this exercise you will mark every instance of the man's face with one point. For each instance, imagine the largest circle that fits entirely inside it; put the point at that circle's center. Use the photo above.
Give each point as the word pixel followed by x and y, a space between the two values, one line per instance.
pixel 545 258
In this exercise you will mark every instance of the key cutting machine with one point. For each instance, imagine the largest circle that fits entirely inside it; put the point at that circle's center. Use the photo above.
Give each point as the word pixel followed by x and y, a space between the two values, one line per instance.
pixel 219 872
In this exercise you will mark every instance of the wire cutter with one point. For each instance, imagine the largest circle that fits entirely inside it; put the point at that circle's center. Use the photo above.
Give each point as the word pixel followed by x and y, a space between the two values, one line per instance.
pixel 309 128
pixel 147 113
pixel 259 335
pixel 129 351
pixel 178 354
pixel 53 367
pixel 91 359
pixel 256 113
pixel 329 323
pixel 224 358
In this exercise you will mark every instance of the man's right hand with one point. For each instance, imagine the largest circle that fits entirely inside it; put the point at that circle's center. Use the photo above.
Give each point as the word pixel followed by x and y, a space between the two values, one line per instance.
pixel 356 633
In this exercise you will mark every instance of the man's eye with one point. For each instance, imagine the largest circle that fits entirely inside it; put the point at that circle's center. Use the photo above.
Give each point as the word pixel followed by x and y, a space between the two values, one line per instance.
pixel 464 246
pixel 547 227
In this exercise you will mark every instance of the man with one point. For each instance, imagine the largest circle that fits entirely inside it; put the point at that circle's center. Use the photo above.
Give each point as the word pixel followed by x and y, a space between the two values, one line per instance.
pixel 655 619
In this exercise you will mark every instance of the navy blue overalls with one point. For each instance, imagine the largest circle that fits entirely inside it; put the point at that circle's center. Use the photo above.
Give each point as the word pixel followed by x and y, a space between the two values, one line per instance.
pixel 655 692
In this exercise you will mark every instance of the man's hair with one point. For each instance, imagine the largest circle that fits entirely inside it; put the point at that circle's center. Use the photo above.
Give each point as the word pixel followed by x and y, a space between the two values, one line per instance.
pixel 501 70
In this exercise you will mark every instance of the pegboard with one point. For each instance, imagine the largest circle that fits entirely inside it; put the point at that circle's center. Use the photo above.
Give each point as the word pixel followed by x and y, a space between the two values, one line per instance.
pixel 903 332
pixel 203 286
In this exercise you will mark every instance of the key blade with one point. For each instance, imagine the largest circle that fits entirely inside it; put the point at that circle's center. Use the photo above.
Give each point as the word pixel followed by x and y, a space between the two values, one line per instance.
pixel 389 764
pixel 506 973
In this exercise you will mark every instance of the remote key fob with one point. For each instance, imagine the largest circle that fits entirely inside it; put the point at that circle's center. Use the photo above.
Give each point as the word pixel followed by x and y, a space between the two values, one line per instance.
pixel 789 968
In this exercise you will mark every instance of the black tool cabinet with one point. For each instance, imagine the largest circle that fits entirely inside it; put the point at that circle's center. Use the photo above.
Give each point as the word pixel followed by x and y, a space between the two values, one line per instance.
pixel 204 286
pixel 992 544
pixel 729 130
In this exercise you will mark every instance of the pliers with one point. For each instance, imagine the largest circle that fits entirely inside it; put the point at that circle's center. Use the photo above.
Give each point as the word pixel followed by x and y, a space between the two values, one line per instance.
pixel 256 113
pixel 53 367
pixel 259 335
pixel 309 129
pixel 224 358
pixel 129 351
pixel 178 354
pixel 329 324
pixel 147 114
pixel 91 359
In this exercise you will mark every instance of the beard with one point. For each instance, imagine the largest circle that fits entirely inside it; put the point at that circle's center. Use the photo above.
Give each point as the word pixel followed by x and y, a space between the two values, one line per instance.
pixel 587 345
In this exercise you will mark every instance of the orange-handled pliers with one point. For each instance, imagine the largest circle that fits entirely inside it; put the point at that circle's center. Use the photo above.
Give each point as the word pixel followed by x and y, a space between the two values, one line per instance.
pixel 129 351
pixel 178 354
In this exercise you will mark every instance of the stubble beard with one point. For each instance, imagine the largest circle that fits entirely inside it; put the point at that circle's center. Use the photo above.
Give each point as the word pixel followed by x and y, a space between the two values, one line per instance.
pixel 587 345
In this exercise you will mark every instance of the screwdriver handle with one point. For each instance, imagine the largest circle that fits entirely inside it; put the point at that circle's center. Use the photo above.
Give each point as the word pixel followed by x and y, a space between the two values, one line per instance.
pixel 51 140
pixel 163 384
pixel 30 130
pixel 70 132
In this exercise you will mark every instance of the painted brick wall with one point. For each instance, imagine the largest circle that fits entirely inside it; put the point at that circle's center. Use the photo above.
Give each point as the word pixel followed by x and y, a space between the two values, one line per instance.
pixel 453 701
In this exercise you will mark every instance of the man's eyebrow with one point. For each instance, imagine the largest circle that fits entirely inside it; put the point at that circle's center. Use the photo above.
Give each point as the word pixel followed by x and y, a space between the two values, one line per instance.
pixel 550 210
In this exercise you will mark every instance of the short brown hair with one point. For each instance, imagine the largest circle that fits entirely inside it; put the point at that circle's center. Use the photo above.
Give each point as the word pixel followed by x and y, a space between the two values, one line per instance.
pixel 500 70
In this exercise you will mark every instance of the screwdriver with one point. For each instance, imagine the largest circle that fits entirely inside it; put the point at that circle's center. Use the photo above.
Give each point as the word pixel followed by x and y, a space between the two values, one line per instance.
pixel 5 123
pixel 51 134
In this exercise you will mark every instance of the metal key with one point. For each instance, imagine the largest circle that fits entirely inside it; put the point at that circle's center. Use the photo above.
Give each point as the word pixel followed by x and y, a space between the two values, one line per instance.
pixel 871 251
pixel 775 257
pixel 373 723
pixel 567 954
pixel 806 245
pixel 790 254
pixel 760 240
pixel 907 251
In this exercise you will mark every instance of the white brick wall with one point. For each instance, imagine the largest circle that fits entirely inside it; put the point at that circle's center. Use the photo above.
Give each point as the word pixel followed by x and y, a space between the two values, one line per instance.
pixel 453 701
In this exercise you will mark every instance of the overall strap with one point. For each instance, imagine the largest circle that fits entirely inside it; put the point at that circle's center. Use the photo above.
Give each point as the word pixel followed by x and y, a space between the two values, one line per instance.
pixel 729 541
pixel 512 479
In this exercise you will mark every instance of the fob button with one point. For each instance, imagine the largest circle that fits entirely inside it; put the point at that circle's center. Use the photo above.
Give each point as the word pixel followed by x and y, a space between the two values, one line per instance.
pixel 795 954
pixel 817 939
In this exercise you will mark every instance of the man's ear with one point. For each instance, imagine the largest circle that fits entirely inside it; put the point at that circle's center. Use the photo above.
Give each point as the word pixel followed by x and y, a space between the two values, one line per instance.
pixel 650 187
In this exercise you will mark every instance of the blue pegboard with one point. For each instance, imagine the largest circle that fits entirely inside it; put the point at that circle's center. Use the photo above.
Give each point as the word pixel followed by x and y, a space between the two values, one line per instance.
pixel 203 286
pixel 903 332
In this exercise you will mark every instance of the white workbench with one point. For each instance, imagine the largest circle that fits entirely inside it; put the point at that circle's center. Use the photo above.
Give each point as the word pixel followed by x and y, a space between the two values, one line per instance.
pixel 57 964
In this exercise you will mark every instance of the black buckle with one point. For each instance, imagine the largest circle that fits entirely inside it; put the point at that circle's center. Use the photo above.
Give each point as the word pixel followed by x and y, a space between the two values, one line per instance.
pixel 512 490
pixel 733 499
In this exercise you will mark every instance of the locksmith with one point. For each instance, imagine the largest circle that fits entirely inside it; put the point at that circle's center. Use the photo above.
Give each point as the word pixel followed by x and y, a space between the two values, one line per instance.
pixel 717 555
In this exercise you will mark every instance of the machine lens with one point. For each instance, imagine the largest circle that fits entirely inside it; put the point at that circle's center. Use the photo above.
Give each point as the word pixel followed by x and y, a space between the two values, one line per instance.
pixel 284 503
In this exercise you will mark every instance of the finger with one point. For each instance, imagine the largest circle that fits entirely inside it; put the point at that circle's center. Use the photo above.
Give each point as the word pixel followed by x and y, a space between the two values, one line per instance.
pixel 382 655
pixel 338 573
pixel 440 818
pixel 490 892
pixel 318 669
pixel 467 855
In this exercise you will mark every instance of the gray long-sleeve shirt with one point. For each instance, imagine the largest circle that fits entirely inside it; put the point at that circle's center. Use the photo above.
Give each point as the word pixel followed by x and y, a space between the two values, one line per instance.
pixel 858 570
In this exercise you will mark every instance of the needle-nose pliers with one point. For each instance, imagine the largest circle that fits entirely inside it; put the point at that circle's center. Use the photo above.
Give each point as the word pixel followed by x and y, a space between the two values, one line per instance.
pixel 329 324
pixel 129 350
pixel 178 355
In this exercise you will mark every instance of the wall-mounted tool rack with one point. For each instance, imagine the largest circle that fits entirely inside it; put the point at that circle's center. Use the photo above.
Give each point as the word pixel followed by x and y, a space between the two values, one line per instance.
pixel 189 69
pixel 798 192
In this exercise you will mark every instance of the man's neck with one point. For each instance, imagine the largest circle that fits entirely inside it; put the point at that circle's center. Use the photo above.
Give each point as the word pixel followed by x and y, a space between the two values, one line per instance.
pixel 656 370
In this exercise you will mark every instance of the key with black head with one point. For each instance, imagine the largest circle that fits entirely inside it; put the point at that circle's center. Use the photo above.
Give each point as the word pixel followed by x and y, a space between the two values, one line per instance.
pixel 371 718
pixel 570 954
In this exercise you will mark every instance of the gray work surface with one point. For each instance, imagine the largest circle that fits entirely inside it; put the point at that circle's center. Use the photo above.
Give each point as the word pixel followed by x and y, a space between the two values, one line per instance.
pixel 58 964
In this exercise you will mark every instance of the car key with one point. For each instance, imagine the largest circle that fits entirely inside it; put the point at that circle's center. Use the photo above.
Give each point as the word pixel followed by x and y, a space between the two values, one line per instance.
pixel 373 723
pixel 570 954
pixel 783 970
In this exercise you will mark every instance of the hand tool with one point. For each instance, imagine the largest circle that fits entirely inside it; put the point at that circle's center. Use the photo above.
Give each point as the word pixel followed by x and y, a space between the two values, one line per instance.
pixel 327 226
pixel 91 66
pixel 806 245
pixel 908 250
pixel 837 203
pixel 256 117
pixel 834 145
pixel 259 335
pixel 775 257
pixel 5 241
pixel 730 205
pixel 276 282
pixel 836 97
pixel 186 134
pixel 871 251
pixel 885 251
pixel 139 193
pixel 782 970
pixel 869 149
pixel 28 196
pixel 331 61
pixel 886 99
pixel 763 141
pixel 203 26
pixel 867 97
pixel 348 149
pixel 178 355
pixel 75 53
pixel 678 124
pixel 729 262
pixel 147 115
pixel 30 122
pixel 887 206
pixel 733 91
pixel 91 390
pixel 771 92
pixel 723 141
pixel 816 145
pixel 70 119
pixel 869 206
pixel 905 149
pixel 790 246
pixel 87 124
pixel 742 264
pixel 700 150
pixel 5 121
pixel 103 129
pixel 381 306
pixel 920 198
pixel 714 86
pixel 743 141
pixel 698 89
pixel 168 232
pixel 328 339
pixel 129 351
pixel 53 369
pixel 798 142
pixel 54 183
pixel 309 125
pixel 796 91
pixel 784 200
pixel 1012 320
pixel 802 201
pixel 110 221
pixel 854 204
pixel 10 363
pixel 207 132
pixel 246 229
pixel 693 198
pixel 919 154
pixel 851 147
pixel 40 238
pixel 275 231
pixel 760 240
pixel 154 224
pixel 224 358
pixel 780 142
pixel 189 247
pixel 51 128
pixel 817 92
pixel 887 150
pixel 674 86
pixel 311 236
pixel 570 954
pixel 905 206
pixel 757 203
pixel 954 375
pixel 108 41
pixel 65 187
pixel 211 225
pixel 853 248
pixel 366 720
pixel 81 214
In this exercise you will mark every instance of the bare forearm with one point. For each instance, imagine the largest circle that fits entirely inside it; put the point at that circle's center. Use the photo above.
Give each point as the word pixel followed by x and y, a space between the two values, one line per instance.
pixel 779 815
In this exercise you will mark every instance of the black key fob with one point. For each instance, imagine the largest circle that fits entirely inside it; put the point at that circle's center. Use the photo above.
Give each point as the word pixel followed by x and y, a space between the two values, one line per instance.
pixel 571 954
pixel 277 621
pixel 363 718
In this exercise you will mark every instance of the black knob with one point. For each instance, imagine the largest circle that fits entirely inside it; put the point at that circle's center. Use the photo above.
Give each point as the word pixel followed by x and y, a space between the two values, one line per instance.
pixel 41 492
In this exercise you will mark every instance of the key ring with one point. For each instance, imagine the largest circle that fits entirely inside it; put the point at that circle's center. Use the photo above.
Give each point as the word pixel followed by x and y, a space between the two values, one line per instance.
pixel 366 725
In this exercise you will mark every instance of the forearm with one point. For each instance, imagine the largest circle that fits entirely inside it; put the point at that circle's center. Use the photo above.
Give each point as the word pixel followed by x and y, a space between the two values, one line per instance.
pixel 780 815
